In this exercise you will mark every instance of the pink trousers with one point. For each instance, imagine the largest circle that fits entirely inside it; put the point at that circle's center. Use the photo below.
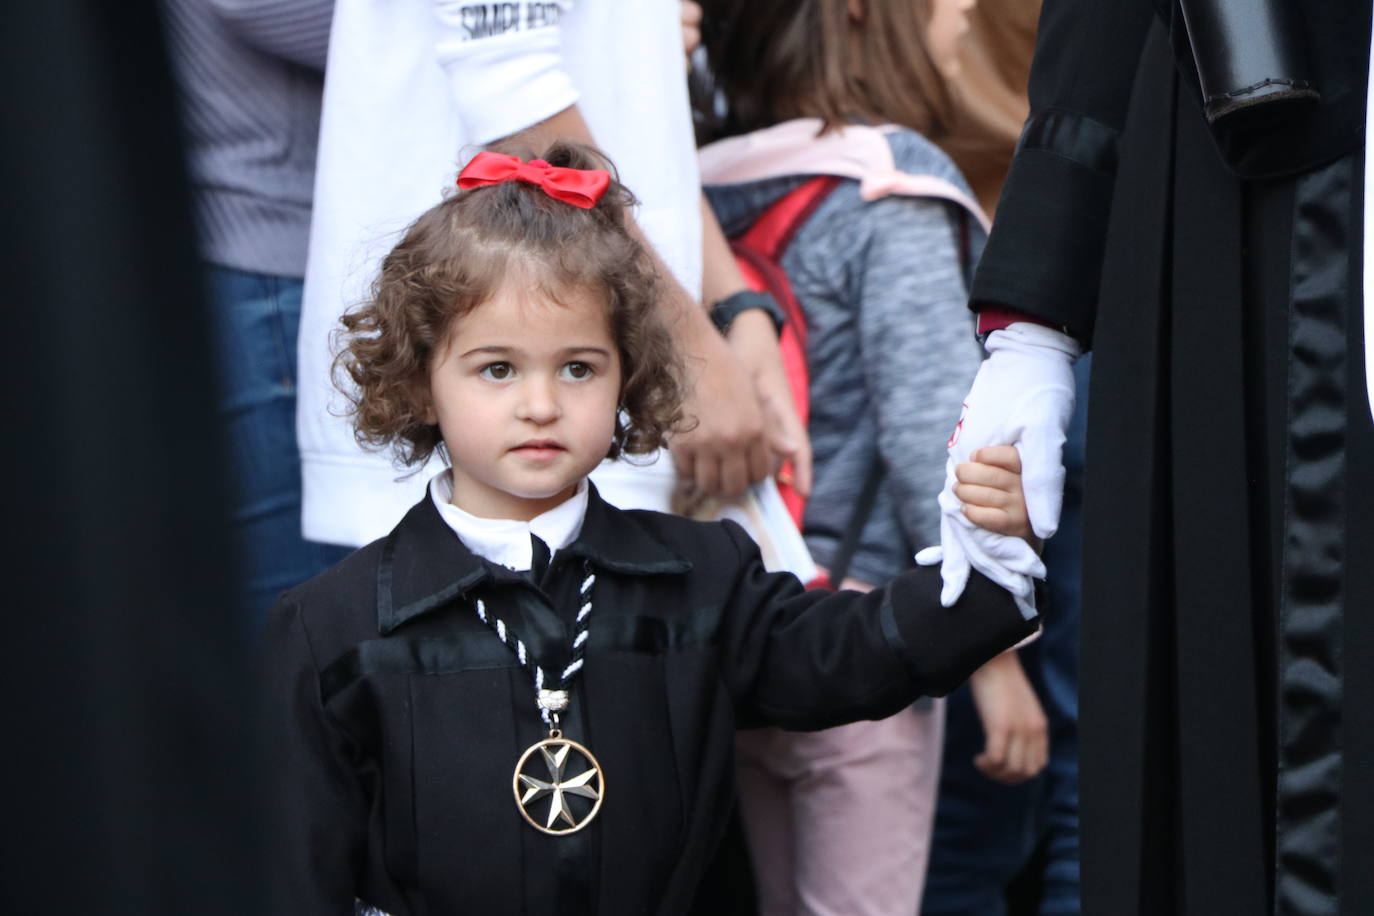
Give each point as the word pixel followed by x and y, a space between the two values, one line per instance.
pixel 838 821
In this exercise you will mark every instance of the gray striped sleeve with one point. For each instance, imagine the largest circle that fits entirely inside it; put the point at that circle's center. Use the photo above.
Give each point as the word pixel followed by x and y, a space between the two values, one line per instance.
pixel 294 30
pixel 249 73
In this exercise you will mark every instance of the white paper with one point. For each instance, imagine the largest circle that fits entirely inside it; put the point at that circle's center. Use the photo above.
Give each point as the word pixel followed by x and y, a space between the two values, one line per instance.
pixel 763 514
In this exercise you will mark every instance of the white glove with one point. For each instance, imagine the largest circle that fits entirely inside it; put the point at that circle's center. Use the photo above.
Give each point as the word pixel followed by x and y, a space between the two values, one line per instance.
pixel 1023 395
pixel 1008 561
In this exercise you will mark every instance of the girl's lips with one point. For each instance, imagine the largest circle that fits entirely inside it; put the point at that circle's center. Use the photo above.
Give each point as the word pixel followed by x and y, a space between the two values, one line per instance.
pixel 539 449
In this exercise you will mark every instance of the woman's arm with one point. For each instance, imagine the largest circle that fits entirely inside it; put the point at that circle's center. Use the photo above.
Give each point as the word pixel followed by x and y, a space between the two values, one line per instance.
pixel 754 340
pixel 1044 257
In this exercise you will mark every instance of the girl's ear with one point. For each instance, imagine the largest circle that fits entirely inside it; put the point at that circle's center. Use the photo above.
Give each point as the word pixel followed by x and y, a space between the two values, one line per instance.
pixel 857 9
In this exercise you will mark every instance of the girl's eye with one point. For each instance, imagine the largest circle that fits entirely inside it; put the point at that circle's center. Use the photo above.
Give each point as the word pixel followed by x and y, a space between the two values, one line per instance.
pixel 497 372
pixel 578 371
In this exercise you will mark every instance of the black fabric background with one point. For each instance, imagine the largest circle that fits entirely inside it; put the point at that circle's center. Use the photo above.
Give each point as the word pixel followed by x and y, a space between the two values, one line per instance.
pixel 128 710
pixel 1186 529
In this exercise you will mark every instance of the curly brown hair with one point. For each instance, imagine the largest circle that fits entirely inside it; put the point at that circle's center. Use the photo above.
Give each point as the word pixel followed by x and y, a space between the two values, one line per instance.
pixel 456 255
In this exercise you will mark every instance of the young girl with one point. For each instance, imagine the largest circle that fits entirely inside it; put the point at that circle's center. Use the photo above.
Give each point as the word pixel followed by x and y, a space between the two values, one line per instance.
pixel 524 700
pixel 839 821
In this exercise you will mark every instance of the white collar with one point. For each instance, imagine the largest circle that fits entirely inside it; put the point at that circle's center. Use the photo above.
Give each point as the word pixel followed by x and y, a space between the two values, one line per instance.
pixel 507 541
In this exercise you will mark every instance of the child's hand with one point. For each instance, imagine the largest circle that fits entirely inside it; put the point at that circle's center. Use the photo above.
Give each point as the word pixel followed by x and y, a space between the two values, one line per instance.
pixel 1015 730
pixel 990 488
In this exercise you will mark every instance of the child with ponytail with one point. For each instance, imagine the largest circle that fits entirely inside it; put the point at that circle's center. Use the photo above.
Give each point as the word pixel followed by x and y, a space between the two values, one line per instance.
pixel 836 103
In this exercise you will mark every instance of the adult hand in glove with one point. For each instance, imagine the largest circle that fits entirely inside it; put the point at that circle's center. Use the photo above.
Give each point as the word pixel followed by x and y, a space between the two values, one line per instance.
pixel 1023 395
pixel 985 515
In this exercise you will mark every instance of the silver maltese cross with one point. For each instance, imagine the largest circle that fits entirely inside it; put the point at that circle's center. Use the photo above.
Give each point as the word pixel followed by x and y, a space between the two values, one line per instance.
pixel 587 783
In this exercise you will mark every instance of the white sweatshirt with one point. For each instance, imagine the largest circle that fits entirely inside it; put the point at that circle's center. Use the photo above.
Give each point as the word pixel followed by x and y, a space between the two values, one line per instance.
pixel 413 89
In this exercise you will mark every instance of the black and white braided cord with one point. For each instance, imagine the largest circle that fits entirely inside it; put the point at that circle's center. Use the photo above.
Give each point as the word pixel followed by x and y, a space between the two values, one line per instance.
pixel 517 645
pixel 584 613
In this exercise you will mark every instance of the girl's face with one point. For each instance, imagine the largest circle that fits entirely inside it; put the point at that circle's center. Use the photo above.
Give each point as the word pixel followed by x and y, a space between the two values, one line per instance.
pixel 525 392
pixel 945 33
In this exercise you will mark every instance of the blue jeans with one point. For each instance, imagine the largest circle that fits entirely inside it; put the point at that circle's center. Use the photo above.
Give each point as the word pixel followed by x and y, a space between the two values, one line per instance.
pixel 986 833
pixel 254 320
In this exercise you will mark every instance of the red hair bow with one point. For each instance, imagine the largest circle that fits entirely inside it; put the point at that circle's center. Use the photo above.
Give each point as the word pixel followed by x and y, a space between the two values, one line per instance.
pixel 579 187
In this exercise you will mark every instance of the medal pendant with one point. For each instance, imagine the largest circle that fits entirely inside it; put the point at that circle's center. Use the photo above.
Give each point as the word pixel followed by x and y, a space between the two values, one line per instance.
pixel 565 773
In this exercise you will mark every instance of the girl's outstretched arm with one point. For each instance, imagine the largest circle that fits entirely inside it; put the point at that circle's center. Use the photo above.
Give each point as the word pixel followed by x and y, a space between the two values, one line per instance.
pixel 806 660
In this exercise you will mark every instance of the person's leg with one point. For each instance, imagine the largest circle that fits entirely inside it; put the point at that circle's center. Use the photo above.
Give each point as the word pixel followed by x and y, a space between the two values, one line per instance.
pixel 1047 883
pixel 762 767
pixel 1059 880
pixel 254 324
pixel 984 831
pixel 863 809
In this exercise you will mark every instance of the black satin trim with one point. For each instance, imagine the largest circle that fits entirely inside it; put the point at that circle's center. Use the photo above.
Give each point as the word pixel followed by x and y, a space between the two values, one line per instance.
pixel 574 859
pixel 654 635
pixel 888 618
pixel 479 650
pixel 1089 143
pixel 1308 814
pixel 941 646
pixel 414 655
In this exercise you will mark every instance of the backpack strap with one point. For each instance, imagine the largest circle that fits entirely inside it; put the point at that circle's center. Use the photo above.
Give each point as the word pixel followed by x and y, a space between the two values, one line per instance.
pixel 762 246
pixel 759 251
pixel 854 529
pixel 772 232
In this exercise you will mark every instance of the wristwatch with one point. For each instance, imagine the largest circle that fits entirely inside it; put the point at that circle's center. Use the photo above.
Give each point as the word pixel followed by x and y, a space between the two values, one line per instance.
pixel 724 312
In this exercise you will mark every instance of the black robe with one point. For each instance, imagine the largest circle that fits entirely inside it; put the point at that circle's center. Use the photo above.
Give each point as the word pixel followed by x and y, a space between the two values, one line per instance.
pixel 129 730
pixel 1228 623
pixel 402 715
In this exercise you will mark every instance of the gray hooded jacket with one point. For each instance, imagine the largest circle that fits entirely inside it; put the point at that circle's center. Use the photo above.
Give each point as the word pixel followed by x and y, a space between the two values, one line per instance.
pixel 891 349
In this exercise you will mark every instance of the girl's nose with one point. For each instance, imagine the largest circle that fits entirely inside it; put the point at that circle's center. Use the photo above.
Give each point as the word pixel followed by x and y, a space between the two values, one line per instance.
pixel 539 401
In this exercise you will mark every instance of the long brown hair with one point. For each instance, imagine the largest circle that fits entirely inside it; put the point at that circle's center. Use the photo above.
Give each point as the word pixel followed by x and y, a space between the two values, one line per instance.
pixel 774 60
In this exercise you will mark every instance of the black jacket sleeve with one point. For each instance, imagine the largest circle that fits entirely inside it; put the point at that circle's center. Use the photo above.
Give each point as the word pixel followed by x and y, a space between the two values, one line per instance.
pixel 1044 256
pixel 815 659
pixel 323 807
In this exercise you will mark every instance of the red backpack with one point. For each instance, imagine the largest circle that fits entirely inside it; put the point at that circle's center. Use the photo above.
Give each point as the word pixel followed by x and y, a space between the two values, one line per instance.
pixel 759 251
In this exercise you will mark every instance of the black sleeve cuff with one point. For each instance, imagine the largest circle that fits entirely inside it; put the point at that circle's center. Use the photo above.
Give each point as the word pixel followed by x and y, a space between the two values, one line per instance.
pixel 943 646
pixel 1044 256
